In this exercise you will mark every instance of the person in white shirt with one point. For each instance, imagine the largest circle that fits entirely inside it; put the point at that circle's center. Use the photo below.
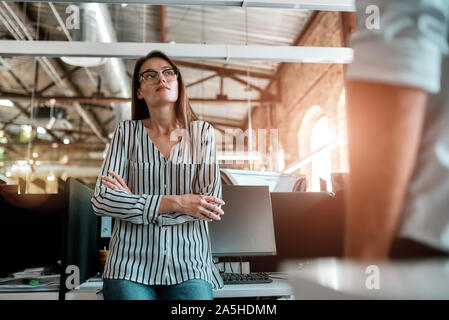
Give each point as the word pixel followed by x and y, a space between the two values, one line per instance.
pixel 398 132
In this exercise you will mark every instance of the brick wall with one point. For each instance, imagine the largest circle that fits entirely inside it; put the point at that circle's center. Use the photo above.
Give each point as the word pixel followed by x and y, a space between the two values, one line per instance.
pixel 309 90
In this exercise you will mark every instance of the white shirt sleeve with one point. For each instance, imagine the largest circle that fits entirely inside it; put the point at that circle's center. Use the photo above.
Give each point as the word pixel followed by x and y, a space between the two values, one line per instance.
pixel 118 204
pixel 408 47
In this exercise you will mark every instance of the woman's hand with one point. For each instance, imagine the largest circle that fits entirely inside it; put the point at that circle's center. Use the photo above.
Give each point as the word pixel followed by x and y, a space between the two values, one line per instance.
pixel 115 184
pixel 200 206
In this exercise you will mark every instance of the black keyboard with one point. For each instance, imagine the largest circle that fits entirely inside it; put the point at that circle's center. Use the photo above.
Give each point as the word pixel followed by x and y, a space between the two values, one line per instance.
pixel 243 278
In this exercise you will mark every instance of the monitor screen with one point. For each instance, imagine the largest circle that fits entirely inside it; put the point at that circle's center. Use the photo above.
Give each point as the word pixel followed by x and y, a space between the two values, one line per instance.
pixel 30 231
pixel 81 247
pixel 246 228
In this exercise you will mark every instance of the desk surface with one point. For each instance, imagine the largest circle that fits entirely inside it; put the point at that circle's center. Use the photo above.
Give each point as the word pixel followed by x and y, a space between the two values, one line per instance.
pixel 332 278
pixel 277 288
pixel 42 295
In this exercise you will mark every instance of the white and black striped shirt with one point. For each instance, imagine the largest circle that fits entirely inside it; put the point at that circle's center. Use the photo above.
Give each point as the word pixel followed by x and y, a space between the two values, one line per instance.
pixel 147 247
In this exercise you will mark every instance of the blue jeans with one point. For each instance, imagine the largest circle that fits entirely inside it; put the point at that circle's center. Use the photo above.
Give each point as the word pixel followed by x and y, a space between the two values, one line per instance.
pixel 195 289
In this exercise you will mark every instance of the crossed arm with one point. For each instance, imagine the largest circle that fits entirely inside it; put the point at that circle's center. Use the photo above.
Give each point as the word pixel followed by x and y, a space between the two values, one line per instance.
pixel 112 197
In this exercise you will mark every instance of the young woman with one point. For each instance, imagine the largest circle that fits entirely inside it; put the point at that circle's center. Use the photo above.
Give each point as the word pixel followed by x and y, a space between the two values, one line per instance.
pixel 160 181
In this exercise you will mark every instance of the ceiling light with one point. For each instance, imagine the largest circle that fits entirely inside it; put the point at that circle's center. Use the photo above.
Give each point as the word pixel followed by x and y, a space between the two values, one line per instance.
pixel 66 141
pixel 134 50
pixel 84 61
pixel 51 177
pixel 41 130
pixel 26 128
pixel 6 103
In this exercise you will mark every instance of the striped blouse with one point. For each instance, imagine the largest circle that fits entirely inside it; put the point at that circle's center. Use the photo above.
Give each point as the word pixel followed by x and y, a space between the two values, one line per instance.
pixel 147 247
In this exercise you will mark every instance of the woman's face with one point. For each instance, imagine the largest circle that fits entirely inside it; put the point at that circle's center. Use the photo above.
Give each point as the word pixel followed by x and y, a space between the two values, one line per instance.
pixel 158 88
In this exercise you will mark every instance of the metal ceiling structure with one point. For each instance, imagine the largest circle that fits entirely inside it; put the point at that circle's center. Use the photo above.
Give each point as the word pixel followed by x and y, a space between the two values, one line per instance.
pixel 208 82
pixel 329 5
pixel 222 91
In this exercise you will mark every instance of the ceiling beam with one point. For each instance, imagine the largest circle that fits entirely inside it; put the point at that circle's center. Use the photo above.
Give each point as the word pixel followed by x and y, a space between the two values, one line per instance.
pixel 97 101
pixel 134 50
pixel 67 131
pixel 246 83
pixel 66 75
pixel 201 80
pixel 225 101
pixel 17 79
pixel 162 29
pixel 11 148
pixel 223 121
pixel 48 66
pixel 223 70
pixel 326 5
pixel 6 123
pixel 28 115
pixel 79 145
pixel 63 99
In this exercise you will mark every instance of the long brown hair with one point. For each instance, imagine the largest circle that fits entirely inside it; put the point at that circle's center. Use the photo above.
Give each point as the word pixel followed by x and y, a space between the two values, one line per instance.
pixel 139 108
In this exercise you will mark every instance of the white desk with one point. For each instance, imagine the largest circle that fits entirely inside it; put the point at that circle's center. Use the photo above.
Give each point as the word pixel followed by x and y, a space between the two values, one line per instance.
pixel 277 288
pixel 43 295
pixel 331 278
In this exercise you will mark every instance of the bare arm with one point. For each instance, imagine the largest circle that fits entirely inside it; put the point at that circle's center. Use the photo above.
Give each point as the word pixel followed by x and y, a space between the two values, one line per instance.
pixel 196 205
pixel 384 131
pixel 169 203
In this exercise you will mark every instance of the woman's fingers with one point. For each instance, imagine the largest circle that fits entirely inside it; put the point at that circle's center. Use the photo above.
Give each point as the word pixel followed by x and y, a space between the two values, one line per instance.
pixel 215 200
pixel 118 182
pixel 203 217
pixel 214 209
pixel 110 181
pixel 209 214
pixel 110 185
pixel 119 179
pixel 209 204
pixel 113 184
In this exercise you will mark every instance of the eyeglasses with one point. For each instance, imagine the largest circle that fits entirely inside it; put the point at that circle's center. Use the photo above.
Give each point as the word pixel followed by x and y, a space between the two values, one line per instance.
pixel 152 75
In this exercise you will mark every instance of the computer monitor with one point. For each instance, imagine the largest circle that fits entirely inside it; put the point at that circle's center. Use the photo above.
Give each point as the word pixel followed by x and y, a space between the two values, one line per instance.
pixel 81 240
pixel 307 225
pixel 247 227
pixel 30 231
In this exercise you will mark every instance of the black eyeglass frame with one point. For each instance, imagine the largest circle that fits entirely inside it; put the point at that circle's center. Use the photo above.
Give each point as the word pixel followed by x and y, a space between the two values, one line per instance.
pixel 141 74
